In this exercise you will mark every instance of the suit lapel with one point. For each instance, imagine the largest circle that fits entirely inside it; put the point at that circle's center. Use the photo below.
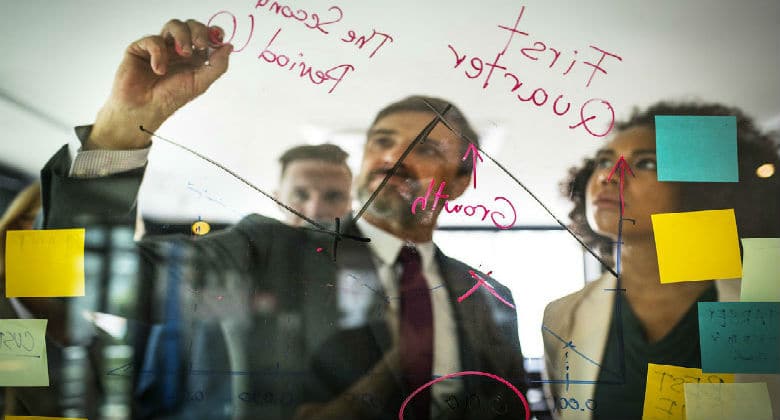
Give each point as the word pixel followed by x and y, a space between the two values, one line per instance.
pixel 469 316
pixel 356 260
pixel 319 309
pixel 591 324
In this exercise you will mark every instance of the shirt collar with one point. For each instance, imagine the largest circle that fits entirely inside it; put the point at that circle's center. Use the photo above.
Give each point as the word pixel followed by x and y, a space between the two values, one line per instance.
pixel 387 247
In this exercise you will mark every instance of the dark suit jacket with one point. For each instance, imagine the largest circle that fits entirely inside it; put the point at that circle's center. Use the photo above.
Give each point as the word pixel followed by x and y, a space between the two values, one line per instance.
pixel 272 339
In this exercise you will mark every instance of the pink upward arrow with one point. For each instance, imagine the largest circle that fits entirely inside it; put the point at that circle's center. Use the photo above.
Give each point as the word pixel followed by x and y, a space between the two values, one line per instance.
pixel 623 165
pixel 474 156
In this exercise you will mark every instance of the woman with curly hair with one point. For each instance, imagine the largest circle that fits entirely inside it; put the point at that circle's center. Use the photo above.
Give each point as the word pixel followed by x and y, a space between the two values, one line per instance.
pixel 659 321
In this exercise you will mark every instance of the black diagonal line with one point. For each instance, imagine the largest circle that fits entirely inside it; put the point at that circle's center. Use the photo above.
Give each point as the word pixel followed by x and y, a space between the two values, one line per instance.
pixel 337 239
pixel 240 178
pixel 617 308
pixel 124 367
pixel 342 235
pixel 419 139
pixel 517 181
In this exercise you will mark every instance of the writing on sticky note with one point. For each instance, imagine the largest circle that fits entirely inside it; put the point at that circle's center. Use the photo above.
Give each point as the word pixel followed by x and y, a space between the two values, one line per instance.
pixel 697 245
pixel 740 337
pixel 761 270
pixel 727 401
pixel 44 263
pixel 696 148
pixel 665 395
pixel 23 359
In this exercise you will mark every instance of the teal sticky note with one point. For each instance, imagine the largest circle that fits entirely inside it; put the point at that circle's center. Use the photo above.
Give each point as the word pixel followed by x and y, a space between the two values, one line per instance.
pixel 696 148
pixel 740 337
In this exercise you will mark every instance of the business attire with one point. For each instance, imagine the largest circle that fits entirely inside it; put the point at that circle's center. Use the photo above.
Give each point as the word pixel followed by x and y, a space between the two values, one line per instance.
pixel 585 321
pixel 296 326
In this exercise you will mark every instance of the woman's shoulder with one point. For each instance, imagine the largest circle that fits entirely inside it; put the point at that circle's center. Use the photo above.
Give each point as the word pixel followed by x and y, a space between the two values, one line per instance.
pixel 573 300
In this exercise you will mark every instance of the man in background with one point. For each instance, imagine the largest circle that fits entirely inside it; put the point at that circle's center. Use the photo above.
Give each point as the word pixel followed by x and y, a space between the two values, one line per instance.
pixel 315 181
pixel 295 330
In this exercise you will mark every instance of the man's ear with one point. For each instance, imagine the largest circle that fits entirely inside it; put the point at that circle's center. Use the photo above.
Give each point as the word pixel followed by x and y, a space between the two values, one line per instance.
pixel 458 185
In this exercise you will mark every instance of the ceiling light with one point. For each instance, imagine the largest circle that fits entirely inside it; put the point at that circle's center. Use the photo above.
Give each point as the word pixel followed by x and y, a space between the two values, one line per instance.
pixel 766 170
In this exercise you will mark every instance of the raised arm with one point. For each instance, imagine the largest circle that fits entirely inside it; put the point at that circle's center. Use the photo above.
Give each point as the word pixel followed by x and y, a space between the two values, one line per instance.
pixel 158 75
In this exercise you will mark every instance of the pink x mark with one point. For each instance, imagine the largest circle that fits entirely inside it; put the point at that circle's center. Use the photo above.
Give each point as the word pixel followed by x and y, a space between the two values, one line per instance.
pixel 482 282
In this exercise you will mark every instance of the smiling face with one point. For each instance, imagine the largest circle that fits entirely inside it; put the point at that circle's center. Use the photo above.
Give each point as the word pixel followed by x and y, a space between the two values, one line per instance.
pixel 643 194
pixel 437 158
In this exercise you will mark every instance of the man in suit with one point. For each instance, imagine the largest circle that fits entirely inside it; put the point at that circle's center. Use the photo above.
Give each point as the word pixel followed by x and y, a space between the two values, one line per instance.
pixel 351 332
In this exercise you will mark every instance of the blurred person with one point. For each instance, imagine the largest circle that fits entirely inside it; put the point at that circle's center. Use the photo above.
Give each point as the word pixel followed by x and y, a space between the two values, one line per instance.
pixel 316 182
pixel 660 321
pixel 306 332
pixel 21 215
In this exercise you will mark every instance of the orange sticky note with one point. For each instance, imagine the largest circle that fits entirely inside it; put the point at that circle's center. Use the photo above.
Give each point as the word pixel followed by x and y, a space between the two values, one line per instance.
pixel 665 394
pixel 698 245
pixel 44 263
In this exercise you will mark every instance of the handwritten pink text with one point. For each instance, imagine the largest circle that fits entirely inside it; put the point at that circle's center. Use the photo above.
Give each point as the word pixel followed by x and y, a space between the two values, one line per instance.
pixel 329 75
pixel 596 109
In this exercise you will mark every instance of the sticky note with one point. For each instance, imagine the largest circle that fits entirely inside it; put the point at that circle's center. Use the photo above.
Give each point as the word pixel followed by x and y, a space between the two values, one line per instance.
pixel 696 148
pixel 760 270
pixel 44 263
pixel 665 395
pixel 23 359
pixel 41 418
pixel 740 337
pixel 697 245
pixel 727 401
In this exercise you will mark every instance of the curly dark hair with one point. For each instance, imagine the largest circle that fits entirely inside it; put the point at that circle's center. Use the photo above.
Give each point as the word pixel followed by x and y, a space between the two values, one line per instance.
pixel 755 200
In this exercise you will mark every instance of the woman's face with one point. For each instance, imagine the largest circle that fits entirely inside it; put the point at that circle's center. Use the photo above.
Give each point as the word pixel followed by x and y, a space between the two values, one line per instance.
pixel 643 195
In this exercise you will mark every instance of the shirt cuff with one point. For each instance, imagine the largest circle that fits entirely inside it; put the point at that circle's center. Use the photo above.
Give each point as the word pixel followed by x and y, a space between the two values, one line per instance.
pixel 98 163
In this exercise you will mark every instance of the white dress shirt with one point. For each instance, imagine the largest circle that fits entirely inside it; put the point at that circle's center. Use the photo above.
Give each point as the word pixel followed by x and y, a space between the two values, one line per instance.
pixel 446 353
pixel 354 294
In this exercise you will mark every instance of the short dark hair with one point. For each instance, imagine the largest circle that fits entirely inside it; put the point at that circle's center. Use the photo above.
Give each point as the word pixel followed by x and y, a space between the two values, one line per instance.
pixel 417 103
pixel 325 152
pixel 755 200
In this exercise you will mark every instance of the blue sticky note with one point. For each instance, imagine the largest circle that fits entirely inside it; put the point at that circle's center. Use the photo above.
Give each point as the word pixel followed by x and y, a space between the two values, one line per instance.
pixel 740 337
pixel 696 148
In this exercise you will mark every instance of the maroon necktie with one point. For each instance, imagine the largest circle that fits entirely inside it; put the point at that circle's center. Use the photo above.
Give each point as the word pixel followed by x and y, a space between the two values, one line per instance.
pixel 416 333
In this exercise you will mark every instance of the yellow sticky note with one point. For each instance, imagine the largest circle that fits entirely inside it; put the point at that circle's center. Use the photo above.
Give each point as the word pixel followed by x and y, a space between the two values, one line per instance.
pixel 698 245
pixel 665 395
pixel 761 270
pixel 23 359
pixel 727 401
pixel 44 263
pixel 41 418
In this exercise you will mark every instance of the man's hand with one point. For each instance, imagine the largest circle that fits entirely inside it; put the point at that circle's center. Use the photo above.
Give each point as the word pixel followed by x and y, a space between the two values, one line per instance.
pixel 158 75
pixel 379 383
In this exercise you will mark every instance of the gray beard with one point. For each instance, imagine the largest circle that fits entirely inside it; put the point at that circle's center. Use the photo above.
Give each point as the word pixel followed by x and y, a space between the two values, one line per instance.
pixel 390 205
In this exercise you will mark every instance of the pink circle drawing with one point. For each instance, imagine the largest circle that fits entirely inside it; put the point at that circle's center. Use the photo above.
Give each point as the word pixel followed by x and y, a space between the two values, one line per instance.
pixel 467 373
